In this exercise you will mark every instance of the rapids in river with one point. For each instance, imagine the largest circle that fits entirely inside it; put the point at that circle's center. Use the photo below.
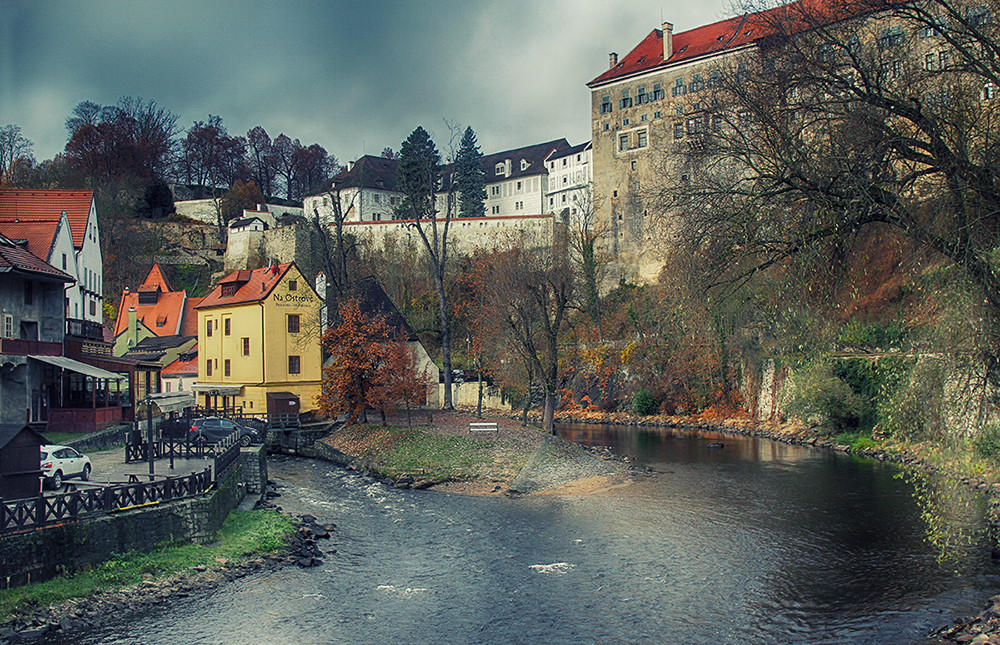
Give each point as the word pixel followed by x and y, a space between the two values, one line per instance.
pixel 754 542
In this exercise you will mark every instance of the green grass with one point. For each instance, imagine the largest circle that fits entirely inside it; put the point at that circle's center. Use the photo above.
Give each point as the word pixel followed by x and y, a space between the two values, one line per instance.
pixel 856 440
pixel 434 456
pixel 60 438
pixel 244 533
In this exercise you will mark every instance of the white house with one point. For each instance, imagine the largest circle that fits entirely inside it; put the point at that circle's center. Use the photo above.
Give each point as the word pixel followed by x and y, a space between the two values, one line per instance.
pixel 61 227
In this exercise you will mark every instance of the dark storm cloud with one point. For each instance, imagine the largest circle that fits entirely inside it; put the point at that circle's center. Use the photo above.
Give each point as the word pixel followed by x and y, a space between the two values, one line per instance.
pixel 354 77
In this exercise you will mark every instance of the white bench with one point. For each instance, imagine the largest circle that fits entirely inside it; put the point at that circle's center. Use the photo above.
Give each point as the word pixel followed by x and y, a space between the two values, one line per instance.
pixel 485 426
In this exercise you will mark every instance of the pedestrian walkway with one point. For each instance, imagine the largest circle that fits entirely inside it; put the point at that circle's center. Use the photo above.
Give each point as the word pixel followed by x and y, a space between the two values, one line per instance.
pixel 109 467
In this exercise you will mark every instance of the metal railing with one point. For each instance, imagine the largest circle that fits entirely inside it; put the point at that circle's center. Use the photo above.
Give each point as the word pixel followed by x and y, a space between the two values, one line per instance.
pixel 42 510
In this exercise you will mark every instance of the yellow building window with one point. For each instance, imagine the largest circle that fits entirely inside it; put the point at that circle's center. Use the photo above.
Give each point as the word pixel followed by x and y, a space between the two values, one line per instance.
pixel 293 323
pixel 294 365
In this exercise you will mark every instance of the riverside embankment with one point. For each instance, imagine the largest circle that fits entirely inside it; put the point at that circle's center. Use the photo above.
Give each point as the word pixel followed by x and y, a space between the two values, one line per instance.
pixel 442 453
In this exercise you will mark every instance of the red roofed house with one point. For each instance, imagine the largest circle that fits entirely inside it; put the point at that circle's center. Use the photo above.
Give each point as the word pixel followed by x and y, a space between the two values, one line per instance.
pixel 655 99
pixel 154 309
pixel 38 384
pixel 258 342
pixel 60 227
pixel 182 374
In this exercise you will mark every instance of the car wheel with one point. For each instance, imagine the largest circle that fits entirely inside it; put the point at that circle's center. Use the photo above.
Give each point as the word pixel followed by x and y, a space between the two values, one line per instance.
pixel 85 475
pixel 57 480
pixel 245 440
pixel 200 441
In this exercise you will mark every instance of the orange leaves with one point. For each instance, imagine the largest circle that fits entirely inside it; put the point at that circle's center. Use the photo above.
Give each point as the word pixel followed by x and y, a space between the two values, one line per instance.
pixel 369 367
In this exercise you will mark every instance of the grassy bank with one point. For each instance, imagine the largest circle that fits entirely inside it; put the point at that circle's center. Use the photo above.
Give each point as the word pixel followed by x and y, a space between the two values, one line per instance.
pixel 244 534
pixel 393 451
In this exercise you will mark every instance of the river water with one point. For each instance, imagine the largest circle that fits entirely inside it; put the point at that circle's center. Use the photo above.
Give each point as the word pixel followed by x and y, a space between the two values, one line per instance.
pixel 757 542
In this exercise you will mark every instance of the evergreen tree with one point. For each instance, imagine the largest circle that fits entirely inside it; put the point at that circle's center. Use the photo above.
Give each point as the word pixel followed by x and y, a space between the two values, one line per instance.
pixel 417 178
pixel 470 179
pixel 417 175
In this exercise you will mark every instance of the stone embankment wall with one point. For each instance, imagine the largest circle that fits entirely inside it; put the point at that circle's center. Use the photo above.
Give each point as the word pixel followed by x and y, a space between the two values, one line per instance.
pixel 35 555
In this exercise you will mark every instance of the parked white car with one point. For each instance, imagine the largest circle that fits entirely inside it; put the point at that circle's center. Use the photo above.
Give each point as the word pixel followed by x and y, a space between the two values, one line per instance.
pixel 63 462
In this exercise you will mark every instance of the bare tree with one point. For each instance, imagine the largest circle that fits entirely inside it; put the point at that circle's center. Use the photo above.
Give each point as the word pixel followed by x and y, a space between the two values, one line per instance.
pixel 13 147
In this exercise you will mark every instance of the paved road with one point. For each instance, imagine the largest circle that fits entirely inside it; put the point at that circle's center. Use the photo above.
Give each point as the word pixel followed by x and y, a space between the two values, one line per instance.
pixel 110 467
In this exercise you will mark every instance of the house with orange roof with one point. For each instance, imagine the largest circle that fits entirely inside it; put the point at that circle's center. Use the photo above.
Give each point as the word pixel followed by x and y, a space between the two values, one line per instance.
pixel 259 342
pixel 60 227
pixel 153 310
pixel 182 374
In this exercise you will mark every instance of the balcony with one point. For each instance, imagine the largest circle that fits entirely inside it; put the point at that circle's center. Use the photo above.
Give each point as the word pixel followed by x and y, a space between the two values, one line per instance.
pixel 20 347
pixel 84 329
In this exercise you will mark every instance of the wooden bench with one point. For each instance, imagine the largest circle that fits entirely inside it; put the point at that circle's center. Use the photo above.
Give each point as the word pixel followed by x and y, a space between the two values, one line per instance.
pixel 485 426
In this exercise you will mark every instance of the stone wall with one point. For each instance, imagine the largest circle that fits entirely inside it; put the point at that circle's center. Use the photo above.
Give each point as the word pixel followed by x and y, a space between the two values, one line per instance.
pixel 36 555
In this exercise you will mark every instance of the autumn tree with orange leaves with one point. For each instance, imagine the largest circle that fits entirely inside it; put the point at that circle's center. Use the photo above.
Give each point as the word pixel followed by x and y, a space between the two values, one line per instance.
pixel 372 368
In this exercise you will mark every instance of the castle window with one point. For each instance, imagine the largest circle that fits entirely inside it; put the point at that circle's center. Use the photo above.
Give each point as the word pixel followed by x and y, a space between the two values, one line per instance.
pixel 606 105
pixel 626 101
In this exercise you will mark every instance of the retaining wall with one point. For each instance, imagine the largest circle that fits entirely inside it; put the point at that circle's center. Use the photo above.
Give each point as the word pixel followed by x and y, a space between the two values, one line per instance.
pixel 37 555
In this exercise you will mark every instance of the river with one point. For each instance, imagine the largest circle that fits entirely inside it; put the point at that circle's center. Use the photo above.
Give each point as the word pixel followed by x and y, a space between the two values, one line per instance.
pixel 757 542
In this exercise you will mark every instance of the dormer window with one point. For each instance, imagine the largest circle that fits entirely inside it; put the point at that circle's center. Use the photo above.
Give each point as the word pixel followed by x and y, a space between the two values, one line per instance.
pixel 524 164
pixel 500 168
pixel 229 289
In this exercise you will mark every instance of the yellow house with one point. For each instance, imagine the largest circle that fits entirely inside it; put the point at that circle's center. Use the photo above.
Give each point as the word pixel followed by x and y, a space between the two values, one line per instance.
pixel 258 341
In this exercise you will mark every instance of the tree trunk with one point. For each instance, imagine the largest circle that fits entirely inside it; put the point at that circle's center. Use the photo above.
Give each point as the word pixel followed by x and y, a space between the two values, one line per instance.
pixel 445 335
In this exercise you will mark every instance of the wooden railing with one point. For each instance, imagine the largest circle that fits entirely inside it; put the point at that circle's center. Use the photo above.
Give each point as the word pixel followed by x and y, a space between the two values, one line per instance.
pixel 39 511
pixel 23 347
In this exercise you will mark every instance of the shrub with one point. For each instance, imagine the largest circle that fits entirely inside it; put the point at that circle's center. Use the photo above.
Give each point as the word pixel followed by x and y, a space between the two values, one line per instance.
pixel 643 403
pixel 818 392
pixel 914 410
pixel 987 443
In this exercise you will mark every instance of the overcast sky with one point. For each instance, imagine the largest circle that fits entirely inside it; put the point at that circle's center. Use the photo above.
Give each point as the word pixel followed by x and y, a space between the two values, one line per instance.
pixel 353 76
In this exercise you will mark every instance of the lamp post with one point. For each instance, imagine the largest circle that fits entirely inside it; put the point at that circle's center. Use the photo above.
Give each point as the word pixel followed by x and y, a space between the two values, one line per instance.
pixel 149 440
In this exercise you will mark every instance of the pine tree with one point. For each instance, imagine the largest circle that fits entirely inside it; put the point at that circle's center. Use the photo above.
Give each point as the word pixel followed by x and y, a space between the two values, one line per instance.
pixel 470 179
pixel 417 175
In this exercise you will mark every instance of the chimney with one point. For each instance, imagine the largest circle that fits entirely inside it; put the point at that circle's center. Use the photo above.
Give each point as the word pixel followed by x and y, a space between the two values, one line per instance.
pixel 668 40
pixel 133 327
pixel 350 166
pixel 614 59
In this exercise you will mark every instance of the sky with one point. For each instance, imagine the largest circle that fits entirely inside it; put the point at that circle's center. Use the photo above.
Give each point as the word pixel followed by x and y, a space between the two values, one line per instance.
pixel 354 77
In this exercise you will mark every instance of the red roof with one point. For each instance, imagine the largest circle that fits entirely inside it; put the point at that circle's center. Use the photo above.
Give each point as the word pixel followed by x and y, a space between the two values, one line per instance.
pixel 252 286
pixel 41 209
pixel 183 368
pixel 161 318
pixel 17 258
pixel 156 278
pixel 727 35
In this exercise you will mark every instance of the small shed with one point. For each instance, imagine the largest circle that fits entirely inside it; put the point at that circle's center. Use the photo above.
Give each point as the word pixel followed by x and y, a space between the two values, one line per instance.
pixel 20 461
pixel 282 409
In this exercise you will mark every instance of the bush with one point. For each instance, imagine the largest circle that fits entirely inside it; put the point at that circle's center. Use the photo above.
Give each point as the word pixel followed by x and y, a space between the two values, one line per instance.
pixel 987 443
pixel 643 403
pixel 818 392
pixel 913 411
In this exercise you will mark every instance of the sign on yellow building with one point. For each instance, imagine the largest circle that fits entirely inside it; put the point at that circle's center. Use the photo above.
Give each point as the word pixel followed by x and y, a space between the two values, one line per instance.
pixel 258 334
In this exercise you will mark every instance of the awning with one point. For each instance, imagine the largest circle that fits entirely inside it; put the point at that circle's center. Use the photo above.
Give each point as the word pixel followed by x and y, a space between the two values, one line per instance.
pixel 225 389
pixel 173 401
pixel 78 367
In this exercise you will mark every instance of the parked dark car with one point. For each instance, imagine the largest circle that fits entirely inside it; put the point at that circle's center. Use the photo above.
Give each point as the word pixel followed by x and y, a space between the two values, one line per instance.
pixel 208 430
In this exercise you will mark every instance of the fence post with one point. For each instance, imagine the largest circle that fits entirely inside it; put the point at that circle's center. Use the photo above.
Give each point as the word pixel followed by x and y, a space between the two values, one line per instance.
pixel 40 509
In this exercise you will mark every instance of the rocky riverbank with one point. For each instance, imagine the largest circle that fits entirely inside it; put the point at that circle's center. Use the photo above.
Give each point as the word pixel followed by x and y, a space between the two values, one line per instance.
pixel 104 607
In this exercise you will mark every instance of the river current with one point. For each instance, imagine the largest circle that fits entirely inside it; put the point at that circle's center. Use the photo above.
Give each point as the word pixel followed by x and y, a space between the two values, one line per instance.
pixel 757 542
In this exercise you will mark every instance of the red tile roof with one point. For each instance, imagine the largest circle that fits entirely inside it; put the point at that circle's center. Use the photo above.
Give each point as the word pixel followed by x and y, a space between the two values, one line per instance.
pixel 156 278
pixel 182 368
pixel 43 208
pixel 253 286
pixel 727 35
pixel 14 257
pixel 161 318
